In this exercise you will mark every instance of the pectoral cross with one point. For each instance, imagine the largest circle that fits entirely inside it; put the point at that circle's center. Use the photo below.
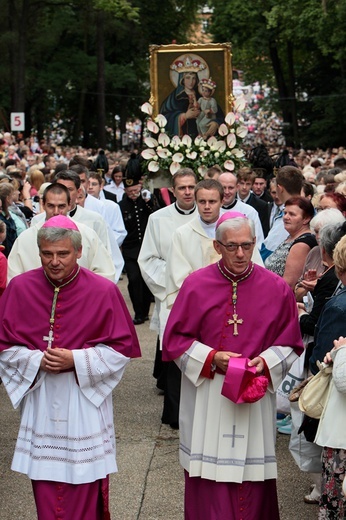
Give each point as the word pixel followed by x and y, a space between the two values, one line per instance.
pixel 49 338
pixel 233 436
pixel 235 322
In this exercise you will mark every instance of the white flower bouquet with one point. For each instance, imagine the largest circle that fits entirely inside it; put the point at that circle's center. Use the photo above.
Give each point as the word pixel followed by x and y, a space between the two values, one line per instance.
pixel 170 153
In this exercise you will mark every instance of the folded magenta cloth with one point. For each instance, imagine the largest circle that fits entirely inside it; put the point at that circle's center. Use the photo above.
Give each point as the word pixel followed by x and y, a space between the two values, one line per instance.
pixel 241 384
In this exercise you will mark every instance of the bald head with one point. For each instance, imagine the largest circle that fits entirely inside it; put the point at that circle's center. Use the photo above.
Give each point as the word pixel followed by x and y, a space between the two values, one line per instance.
pixel 229 184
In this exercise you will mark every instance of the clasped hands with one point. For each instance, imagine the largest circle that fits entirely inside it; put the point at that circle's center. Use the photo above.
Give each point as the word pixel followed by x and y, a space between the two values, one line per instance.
pixel 222 358
pixel 56 359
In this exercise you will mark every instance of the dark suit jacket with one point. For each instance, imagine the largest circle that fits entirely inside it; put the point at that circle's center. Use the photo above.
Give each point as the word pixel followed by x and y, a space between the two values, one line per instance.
pixel 110 196
pixel 263 211
pixel 266 196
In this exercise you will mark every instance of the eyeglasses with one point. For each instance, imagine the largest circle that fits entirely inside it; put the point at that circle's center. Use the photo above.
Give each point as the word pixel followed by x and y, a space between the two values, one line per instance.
pixel 246 246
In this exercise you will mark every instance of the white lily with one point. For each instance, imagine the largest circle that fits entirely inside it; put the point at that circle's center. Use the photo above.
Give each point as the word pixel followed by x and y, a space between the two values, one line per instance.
pixel 191 155
pixel 202 170
pixel 174 167
pixel 231 140
pixel 175 141
pixel 239 104
pixel 178 157
pixel 153 166
pixel 164 139
pixel 151 142
pixel 161 120
pixel 148 154
pixel 163 153
pixel 223 130
pixel 241 131
pixel 147 108
pixel 238 153
pixel 198 141
pixel 212 141
pixel 186 140
pixel 152 127
pixel 220 146
pixel 230 118
pixel 229 165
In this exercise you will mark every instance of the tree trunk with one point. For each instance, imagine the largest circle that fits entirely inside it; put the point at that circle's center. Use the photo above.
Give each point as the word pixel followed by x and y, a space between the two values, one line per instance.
pixel 101 107
pixel 292 95
pixel 283 93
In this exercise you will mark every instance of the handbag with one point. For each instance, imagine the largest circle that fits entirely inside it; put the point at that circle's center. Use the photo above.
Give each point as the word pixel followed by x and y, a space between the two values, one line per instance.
pixel 314 396
pixel 297 390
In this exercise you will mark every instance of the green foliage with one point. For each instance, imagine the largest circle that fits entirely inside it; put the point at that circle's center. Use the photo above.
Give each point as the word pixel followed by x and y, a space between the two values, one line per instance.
pixel 297 47
pixel 60 77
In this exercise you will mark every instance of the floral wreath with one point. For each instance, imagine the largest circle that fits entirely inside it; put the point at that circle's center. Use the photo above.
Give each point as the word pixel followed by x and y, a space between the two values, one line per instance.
pixel 165 152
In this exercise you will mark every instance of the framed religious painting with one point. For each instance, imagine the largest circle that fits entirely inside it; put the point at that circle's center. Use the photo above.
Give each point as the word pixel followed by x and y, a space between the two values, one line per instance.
pixel 191 85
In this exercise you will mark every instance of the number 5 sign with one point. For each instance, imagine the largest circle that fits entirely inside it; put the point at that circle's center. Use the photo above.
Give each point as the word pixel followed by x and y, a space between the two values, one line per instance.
pixel 17 121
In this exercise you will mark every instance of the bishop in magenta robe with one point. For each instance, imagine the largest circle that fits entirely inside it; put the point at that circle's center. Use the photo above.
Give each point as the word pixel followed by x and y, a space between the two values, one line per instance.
pixel 228 450
pixel 66 441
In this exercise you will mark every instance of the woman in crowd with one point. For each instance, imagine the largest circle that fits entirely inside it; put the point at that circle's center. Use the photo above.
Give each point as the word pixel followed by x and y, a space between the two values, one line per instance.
pixel 3 259
pixel 332 200
pixel 289 258
pixel 331 431
pixel 328 327
pixel 327 283
pixel 6 197
pixel 116 185
pixel 314 266
pixel 36 179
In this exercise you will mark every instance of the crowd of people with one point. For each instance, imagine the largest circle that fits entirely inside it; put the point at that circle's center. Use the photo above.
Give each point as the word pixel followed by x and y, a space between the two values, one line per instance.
pixel 229 261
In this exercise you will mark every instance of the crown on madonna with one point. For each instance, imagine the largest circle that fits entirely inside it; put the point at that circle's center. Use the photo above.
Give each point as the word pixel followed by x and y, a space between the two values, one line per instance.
pixel 188 64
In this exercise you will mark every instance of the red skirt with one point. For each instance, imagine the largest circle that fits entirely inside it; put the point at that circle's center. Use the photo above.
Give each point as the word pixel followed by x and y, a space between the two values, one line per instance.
pixel 61 501
pixel 210 500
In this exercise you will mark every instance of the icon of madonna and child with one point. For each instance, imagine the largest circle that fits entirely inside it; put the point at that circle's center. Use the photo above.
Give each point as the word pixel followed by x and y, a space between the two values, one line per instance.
pixel 191 107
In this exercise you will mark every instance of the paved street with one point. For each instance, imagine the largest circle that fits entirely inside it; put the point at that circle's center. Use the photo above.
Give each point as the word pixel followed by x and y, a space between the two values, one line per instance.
pixel 149 485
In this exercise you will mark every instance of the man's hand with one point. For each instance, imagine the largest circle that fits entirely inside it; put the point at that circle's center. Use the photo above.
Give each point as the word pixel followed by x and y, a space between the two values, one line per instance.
pixel 258 363
pixel 341 342
pixel 221 359
pixel 57 359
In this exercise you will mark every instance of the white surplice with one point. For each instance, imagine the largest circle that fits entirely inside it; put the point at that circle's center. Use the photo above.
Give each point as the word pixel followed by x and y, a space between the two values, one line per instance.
pixel 66 430
pixel 209 420
pixel 191 248
pixel 24 254
pixel 153 257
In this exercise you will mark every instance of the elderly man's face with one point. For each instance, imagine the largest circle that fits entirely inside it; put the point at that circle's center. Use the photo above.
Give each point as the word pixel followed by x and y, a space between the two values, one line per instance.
pixel 133 192
pixel 238 260
pixel 59 258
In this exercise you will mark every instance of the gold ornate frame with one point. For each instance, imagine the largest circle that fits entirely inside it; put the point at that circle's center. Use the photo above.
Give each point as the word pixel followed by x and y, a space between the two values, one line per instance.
pixel 218 57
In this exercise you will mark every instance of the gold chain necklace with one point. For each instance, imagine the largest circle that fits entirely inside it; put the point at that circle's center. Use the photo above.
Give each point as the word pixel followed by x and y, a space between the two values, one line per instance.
pixel 235 321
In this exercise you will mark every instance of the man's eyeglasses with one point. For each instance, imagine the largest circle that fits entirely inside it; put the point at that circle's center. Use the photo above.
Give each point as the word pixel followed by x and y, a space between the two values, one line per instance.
pixel 246 246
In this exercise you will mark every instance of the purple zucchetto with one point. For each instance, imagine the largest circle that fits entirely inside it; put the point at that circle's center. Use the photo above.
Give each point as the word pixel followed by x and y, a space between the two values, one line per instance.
pixel 60 221
pixel 228 215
